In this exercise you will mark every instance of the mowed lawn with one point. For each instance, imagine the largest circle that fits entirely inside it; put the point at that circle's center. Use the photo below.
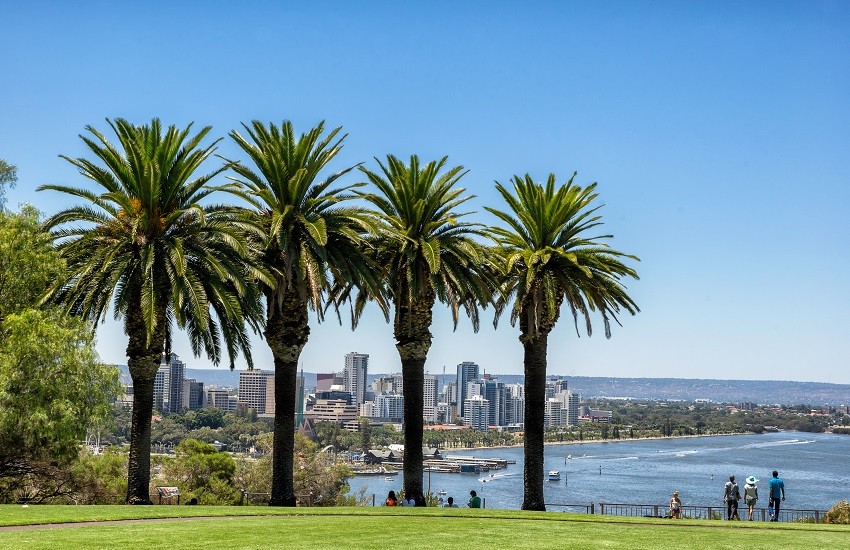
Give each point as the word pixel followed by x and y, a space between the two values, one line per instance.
pixel 315 528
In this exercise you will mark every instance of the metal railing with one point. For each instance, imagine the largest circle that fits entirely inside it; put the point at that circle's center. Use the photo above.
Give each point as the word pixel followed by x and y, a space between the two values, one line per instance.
pixel 706 512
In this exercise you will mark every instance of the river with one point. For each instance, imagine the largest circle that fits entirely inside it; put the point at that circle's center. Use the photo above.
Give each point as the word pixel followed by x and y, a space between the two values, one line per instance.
pixel 814 467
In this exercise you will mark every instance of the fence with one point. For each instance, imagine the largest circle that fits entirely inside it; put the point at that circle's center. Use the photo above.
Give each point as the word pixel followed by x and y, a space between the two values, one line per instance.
pixel 706 512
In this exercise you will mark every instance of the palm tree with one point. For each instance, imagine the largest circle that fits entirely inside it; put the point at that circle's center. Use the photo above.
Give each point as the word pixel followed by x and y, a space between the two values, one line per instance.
pixel 427 256
pixel 145 243
pixel 308 241
pixel 548 259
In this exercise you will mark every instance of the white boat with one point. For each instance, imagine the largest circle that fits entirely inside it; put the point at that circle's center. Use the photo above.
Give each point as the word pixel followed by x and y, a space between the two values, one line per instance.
pixel 442 492
pixel 554 475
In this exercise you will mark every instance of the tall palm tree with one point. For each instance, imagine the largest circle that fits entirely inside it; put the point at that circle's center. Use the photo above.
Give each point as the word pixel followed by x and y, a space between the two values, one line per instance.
pixel 548 259
pixel 308 241
pixel 427 255
pixel 145 243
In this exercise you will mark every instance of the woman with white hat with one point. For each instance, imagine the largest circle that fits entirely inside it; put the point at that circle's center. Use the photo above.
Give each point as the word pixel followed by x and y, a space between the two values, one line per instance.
pixel 751 494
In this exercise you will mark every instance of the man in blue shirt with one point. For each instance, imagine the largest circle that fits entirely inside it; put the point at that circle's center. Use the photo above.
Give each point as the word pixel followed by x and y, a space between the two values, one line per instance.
pixel 776 491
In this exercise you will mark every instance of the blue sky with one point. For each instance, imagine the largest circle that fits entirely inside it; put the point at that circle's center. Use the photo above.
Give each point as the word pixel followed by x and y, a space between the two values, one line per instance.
pixel 718 132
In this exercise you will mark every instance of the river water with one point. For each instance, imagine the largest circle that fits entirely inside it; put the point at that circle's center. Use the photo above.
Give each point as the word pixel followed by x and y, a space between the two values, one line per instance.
pixel 814 467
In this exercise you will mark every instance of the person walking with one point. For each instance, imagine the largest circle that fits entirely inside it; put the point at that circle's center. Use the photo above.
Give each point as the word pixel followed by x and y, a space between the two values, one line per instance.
pixel 474 500
pixel 751 495
pixel 731 496
pixel 676 506
pixel 776 491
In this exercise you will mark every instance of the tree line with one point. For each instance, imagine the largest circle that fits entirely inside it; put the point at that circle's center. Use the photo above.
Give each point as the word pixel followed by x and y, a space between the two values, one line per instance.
pixel 148 239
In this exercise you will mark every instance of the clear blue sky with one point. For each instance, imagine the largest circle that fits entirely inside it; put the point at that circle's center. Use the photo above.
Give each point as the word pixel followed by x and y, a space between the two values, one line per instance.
pixel 719 133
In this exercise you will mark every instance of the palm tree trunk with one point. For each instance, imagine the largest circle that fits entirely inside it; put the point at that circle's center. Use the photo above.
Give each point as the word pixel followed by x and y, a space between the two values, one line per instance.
pixel 143 359
pixel 139 464
pixel 534 362
pixel 413 340
pixel 287 331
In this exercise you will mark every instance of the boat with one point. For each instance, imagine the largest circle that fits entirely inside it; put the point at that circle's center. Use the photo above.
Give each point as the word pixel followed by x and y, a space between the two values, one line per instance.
pixel 441 492
pixel 554 475
pixel 389 478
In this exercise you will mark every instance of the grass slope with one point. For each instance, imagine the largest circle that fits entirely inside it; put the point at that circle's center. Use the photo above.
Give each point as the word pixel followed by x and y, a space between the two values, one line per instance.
pixel 316 528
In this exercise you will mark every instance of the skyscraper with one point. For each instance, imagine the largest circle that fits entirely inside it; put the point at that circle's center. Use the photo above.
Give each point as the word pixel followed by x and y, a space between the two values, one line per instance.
pixel 168 385
pixel 477 413
pixel 466 372
pixel 253 388
pixel 356 367
pixel 430 397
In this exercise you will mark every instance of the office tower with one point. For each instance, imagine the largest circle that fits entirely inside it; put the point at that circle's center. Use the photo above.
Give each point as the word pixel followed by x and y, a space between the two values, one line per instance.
pixel 220 398
pixel 430 397
pixel 515 405
pixel 168 385
pixel 466 373
pixel 253 389
pixel 572 407
pixel 494 391
pixel 193 394
pixel 477 413
pixel 389 406
pixel 354 374
pixel 552 415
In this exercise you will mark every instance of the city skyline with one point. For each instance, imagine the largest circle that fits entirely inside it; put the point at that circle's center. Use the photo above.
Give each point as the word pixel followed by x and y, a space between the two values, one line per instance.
pixel 717 133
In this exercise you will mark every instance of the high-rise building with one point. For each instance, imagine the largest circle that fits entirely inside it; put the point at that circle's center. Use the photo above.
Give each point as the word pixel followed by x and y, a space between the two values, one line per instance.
pixel 389 405
pixel 466 373
pixel 477 413
pixel 253 388
pixel 389 384
pixel 494 391
pixel 168 385
pixel 430 397
pixel 356 367
pixel 573 399
pixel 220 398
pixel 552 415
pixel 193 394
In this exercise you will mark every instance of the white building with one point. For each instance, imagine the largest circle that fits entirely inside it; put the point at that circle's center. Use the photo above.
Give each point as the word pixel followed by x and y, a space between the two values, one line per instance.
pixel 466 373
pixel 354 374
pixel 254 388
pixel 477 410
pixel 430 401
pixel 389 405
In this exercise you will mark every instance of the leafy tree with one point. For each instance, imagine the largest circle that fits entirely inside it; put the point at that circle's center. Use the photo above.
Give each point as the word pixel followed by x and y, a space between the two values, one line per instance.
pixel 28 262
pixel 203 472
pixel 52 387
pixel 146 240
pixel 427 255
pixel 548 259
pixel 99 478
pixel 318 479
pixel 306 239
pixel 8 178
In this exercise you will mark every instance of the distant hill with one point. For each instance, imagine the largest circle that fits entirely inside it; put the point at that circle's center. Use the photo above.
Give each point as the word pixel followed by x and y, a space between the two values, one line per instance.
pixel 781 392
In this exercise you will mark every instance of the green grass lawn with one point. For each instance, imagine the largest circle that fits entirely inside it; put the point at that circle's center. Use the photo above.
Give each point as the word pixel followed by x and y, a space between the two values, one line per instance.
pixel 352 528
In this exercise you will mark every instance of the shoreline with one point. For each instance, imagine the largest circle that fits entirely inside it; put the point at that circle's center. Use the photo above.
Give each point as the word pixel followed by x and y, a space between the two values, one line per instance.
pixel 588 441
